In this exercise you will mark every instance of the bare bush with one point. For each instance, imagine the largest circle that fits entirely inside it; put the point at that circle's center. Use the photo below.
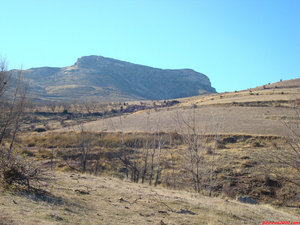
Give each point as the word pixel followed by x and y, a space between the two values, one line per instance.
pixel 15 170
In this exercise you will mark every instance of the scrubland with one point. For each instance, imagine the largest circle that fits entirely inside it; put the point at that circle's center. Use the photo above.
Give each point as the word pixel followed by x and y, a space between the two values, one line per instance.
pixel 160 163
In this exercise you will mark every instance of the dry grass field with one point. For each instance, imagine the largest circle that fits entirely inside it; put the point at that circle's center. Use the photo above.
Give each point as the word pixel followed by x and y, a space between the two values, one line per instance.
pixel 256 112
pixel 85 199
pixel 245 139
pixel 230 120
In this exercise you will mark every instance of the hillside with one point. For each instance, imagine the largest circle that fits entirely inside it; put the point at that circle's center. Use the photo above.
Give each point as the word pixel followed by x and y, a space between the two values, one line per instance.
pixel 256 112
pixel 84 199
pixel 242 153
pixel 105 79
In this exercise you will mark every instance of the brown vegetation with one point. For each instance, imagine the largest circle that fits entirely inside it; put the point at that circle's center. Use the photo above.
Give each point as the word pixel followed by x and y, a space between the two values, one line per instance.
pixel 15 170
pixel 235 166
pixel 241 144
pixel 88 199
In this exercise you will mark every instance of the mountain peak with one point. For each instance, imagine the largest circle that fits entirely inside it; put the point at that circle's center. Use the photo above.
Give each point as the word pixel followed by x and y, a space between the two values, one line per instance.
pixel 107 79
pixel 89 61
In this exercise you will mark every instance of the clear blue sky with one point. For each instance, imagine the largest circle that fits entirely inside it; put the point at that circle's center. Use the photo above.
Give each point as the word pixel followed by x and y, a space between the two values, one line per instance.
pixel 238 44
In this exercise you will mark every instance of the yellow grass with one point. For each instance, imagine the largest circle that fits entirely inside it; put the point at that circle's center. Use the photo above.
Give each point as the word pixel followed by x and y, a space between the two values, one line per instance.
pixel 85 199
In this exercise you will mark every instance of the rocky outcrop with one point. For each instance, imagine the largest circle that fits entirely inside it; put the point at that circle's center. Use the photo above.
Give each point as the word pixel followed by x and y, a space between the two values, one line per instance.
pixel 106 79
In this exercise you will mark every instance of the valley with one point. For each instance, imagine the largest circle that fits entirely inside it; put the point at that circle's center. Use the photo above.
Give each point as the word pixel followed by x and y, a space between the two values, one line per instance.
pixel 185 160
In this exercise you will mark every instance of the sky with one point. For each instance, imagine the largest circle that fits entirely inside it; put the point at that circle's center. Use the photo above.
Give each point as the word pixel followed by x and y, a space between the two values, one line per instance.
pixel 238 44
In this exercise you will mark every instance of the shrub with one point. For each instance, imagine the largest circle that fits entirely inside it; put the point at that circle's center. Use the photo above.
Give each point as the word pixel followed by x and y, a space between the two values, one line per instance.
pixel 40 129
pixel 18 172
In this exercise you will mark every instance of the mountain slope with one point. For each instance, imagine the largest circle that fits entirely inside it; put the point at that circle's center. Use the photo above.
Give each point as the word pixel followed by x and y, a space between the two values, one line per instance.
pixel 106 79
pixel 86 199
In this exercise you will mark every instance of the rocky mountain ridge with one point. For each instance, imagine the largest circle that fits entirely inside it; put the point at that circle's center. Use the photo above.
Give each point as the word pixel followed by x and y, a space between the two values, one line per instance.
pixel 105 79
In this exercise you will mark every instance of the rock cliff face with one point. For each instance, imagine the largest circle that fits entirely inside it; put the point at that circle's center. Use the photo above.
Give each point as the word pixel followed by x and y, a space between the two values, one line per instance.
pixel 106 79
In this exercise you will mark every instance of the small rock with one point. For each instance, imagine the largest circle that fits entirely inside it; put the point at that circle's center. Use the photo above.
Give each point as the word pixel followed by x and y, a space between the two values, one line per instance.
pixel 163 212
pixel 55 217
pixel 162 223
pixel 248 200
pixel 186 211
pixel 82 192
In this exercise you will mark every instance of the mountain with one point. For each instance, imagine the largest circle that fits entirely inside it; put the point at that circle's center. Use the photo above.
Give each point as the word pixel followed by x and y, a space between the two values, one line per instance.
pixel 106 79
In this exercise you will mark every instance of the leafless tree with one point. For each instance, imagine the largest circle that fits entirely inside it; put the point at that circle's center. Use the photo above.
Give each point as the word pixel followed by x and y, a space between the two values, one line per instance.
pixel 20 105
pixel 12 108
pixel 4 77
pixel 77 107
pixel 65 107
pixel 288 156
pixel 152 154
pixel 173 160
pixel 135 162
pixel 14 168
pixel 161 143
pixel 146 148
pixel 173 169
pixel 196 147
pixel 156 153
pixel 52 106
pixel 85 146
pixel 125 156
pixel 130 158
pixel 89 106
pixel 212 164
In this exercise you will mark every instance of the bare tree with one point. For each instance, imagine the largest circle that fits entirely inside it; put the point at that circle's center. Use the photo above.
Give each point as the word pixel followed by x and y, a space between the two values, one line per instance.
pixel 20 105
pixel 135 164
pixel 4 106
pixel 52 106
pixel 173 169
pixel 12 108
pixel 85 140
pixel 124 157
pixel 288 156
pixel 14 169
pixel 152 154
pixel 131 160
pixel 89 106
pixel 65 106
pixel 212 164
pixel 161 143
pixel 146 147
pixel 196 145
pixel 156 152
pixel 85 146
pixel 4 77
